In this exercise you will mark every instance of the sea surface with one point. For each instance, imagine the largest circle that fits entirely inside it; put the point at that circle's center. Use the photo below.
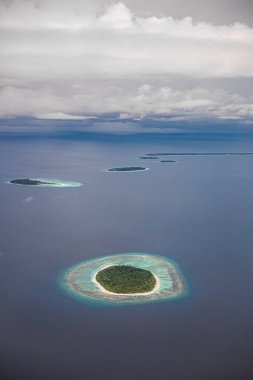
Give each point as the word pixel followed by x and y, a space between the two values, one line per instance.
pixel 197 211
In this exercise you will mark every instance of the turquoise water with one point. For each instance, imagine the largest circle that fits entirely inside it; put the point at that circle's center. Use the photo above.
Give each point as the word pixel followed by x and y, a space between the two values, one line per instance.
pixel 77 280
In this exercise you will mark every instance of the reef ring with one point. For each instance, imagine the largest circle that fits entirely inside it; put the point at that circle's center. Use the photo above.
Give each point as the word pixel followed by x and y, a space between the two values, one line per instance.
pixel 79 280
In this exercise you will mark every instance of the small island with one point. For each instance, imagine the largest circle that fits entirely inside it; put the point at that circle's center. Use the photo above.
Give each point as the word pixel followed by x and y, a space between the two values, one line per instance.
pixel 44 182
pixel 128 169
pixel 27 181
pixel 167 161
pixel 126 279
pixel 148 158
pixel 200 154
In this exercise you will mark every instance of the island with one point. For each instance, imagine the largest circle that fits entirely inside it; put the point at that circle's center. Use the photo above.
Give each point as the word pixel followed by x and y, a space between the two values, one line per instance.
pixel 200 154
pixel 148 158
pixel 126 279
pixel 44 182
pixel 128 169
pixel 168 161
pixel 27 181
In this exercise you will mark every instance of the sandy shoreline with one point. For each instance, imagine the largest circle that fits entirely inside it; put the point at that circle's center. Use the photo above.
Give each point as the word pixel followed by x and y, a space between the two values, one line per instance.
pixel 48 182
pixel 80 280
pixel 157 285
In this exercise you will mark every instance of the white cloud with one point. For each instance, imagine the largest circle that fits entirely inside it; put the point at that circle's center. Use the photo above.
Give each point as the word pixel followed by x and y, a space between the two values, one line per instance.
pixel 61 116
pixel 56 58
pixel 118 16
pixel 139 102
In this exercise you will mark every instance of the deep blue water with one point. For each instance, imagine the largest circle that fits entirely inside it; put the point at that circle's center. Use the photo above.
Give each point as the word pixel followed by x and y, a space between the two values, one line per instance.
pixel 197 211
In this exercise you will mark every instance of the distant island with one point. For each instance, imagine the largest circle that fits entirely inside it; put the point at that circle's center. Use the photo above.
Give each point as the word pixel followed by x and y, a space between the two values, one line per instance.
pixel 200 154
pixel 168 161
pixel 27 181
pixel 128 169
pixel 126 279
pixel 148 158
pixel 44 182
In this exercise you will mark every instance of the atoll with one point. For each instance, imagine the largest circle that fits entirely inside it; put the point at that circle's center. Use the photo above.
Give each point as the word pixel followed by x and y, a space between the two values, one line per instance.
pixel 44 182
pixel 81 280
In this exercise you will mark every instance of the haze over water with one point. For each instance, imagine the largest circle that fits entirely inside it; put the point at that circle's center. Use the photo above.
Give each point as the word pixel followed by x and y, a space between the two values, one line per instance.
pixel 197 211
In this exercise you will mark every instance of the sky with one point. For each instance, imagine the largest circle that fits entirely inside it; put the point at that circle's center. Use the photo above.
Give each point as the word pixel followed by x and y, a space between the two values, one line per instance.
pixel 135 59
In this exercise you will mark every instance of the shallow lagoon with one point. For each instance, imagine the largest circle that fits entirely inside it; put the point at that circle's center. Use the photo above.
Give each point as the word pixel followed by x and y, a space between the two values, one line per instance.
pixel 78 281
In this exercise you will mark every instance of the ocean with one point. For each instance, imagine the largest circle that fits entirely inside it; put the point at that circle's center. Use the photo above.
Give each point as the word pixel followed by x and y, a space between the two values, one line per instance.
pixel 196 211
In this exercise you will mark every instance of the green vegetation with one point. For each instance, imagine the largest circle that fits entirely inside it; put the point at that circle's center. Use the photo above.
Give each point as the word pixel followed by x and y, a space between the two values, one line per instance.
pixel 127 169
pixel 126 279
pixel 27 181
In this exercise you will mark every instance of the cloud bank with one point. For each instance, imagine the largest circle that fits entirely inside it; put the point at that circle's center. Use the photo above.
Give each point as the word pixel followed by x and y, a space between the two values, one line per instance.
pixel 76 59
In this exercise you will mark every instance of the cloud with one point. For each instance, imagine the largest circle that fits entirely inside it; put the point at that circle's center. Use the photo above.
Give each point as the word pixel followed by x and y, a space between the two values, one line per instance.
pixel 71 60
pixel 62 116
pixel 137 102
